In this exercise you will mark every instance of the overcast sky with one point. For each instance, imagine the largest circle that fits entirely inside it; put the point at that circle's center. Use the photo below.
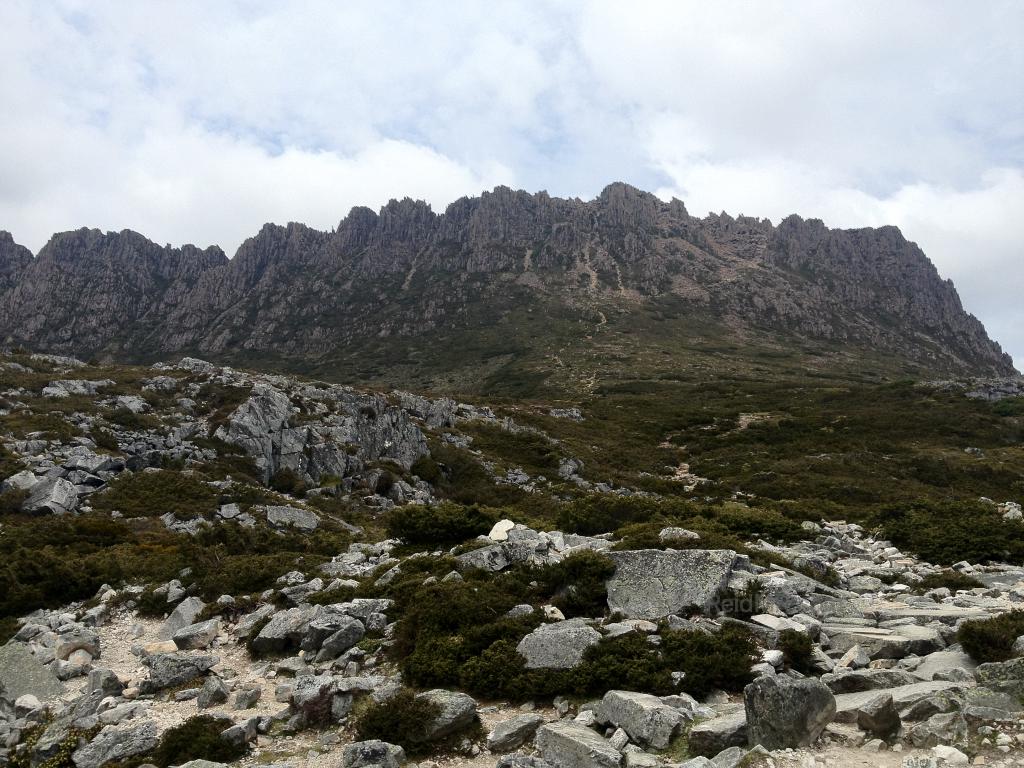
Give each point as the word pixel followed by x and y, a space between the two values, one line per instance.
pixel 197 122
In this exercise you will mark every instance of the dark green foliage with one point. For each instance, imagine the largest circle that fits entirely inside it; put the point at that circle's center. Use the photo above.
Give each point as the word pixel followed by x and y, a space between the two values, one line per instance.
pixel 948 532
pixel 991 639
pixel 577 584
pixel 601 513
pixel 709 661
pixel 401 719
pixel 127 419
pixel 198 738
pixel 796 648
pixel 437 524
pixel 460 477
pixel 526 449
pixel 11 501
pixel 951 580
pixel 287 481
pixel 105 439
pixel 151 494
pixel 1008 407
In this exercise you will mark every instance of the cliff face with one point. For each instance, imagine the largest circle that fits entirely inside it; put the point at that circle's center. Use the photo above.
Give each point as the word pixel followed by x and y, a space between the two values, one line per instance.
pixel 298 293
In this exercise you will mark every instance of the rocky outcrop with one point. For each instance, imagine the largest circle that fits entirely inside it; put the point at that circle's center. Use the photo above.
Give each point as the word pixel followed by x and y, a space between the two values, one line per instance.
pixel 381 280
pixel 654 583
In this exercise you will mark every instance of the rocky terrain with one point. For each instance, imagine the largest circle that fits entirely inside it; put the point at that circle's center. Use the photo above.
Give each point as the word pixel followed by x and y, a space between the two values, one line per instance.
pixel 204 565
pixel 508 285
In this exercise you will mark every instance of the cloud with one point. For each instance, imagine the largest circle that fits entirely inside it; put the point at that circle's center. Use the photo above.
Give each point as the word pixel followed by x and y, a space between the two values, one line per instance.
pixel 197 122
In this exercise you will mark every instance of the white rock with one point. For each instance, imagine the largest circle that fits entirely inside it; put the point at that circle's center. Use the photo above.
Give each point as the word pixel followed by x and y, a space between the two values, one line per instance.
pixel 500 530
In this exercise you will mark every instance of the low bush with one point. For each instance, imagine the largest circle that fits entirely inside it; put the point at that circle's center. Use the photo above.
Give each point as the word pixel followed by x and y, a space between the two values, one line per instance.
pixel 948 532
pixel 577 584
pixel 401 719
pixel 951 580
pixel 151 494
pixel 796 649
pixel 438 524
pixel 991 639
pixel 198 738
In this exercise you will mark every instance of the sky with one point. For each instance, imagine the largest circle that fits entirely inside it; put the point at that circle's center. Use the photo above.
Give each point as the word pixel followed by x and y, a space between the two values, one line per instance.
pixel 196 122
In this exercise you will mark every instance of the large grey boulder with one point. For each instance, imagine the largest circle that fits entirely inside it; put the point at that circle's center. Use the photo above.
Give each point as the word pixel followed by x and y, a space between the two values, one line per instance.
pixel 572 745
pixel 292 517
pixel 456 712
pixel 115 743
pixel 25 480
pixel 560 645
pixel 312 698
pixel 284 631
pixel 169 670
pixel 852 681
pixel 1003 676
pixel 490 558
pixel 784 713
pixel 347 631
pixel 645 718
pixel 372 754
pixel 213 692
pixel 196 636
pixel 943 662
pixel 22 674
pixel 184 614
pixel 710 737
pixel 55 497
pixel 652 584
pixel 878 716
pixel 513 733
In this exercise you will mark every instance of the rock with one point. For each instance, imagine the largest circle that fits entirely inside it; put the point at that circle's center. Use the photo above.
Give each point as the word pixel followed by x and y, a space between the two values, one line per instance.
pixel 878 716
pixel 784 713
pixel 457 711
pixel 941 663
pixel 104 680
pixel 22 674
pixel 491 558
pixel 213 692
pixel 560 645
pixel 710 737
pixel 646 719
pixel 284 631
pixel 55 497
pixel 945 728
pixel 513 733
pixel 25 480
pixel 247 698
pixel 499 532
pixel 372 754
pixel 196 636
pixel 1003 676
pixel 169 670
pixel 312 698
pixel 116 742
pixel 652 584
pixel 349 632
pixel 571 745
pixel 182 616
pixel 852 681
pixel 523 761
pixel 292 517
pixel 950 755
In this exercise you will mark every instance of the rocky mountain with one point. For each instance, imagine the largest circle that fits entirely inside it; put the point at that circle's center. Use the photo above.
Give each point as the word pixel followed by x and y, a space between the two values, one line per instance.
pixel 504 276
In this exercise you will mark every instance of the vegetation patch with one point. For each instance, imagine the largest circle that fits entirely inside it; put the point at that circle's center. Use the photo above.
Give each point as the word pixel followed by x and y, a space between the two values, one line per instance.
pixel 991 639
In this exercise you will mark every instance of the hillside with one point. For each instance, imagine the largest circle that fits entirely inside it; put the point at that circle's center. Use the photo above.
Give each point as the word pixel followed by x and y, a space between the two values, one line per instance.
pixel 506 293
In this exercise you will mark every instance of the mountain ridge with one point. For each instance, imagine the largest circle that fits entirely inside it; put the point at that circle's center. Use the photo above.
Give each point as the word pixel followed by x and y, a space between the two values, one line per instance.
pixel 313 298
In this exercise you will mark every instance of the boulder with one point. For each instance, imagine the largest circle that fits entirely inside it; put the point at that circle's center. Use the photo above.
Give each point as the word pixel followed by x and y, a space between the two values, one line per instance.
pixel 115 743
pixel 196 636
pixel 347 633
pixel 292 517
pixel 652 583
pixel 559 645
pixel 645 718
pixel 169 670
pixel 1003 676
pixel 853 681
pixel 247 698
pixel 372 754
pixel 55 496
pixel 213 692
pixel 571 745
pixel 513 733
pixel 183 615
pixel 492 558
pixel 457 711
pixel 784 713
pixel 878 716
pixel 710 737
pixel 22 674
pixel 312 698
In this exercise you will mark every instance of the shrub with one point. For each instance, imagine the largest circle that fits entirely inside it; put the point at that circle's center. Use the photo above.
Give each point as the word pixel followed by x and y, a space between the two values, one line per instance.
pixel 104 438
pixel 991 639
pixel 710 661
pixel 151 494
pixel 951 580
pixel 402 719
pixel 11 501
pixel 946 533
pixel 286 480
pixel 796 649
pixel 198 738
pixel 577 584
pixel 444 523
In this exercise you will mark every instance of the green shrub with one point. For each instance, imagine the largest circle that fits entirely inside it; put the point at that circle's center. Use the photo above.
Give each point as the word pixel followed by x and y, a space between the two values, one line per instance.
pixel 951 580
pixel 286 480
pixel 577 584
pixel 104 438
pixel 437 524
pixel 11 501
pixel 710 661
pixel 198 738
pixel 796 649
pixel 402 719
pixel 946 533
pixel 991 639
pixel 151 494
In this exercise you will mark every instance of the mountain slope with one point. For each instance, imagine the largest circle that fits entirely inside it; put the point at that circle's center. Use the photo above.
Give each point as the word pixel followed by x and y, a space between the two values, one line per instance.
pixel 562 291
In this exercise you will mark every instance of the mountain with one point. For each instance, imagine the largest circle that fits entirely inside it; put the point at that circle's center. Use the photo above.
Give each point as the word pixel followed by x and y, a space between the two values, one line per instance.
pixel 506 291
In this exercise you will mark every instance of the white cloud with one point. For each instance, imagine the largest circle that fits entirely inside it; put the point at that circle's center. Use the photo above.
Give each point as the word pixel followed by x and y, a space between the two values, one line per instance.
pixel 197 122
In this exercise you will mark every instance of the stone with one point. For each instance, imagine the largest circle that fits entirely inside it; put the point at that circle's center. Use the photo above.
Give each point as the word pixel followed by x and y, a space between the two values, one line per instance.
pixel 645 718
pixel 312 698
pixel 945 728
pixel 292 517
pixel 510 734
pixel 1003 676
pixel 950 755
pixel 184 614
pixel 784 713
pixel 852 681
pixel 492 558
pixel 571 745
pixel 372 754
pixel 22 674
pixel 878 716
pixel 560 645
pixel 196 636
pixel 55 496
pixel 246 698
pixel 942 662
pixel 349 632
pixel 499 531
pixel 170 670
pixel 457 712
pixel 116 742
pixel 652 583
pixel 104 680
pixel 213 692
pixel 710 737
